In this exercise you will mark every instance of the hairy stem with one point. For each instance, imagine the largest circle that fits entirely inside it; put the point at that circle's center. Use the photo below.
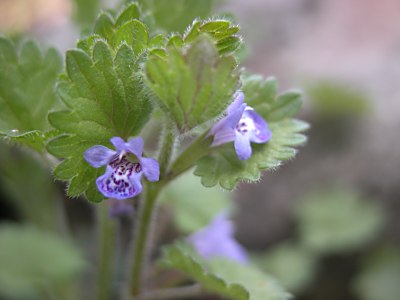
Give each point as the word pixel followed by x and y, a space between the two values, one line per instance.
pixel 144 223
pixel 199 148
pixel 107 243
pixel 142 237
pixel 167 147
pixel 173 293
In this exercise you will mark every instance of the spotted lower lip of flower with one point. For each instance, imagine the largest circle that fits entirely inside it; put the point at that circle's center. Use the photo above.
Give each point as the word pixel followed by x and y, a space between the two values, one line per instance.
pixel 242 125
pixel 217 240
pixel 123 175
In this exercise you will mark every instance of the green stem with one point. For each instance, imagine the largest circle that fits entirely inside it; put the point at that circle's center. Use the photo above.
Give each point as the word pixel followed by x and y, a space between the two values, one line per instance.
pixel 107 243
pixel 142 237
pixel 167 147
pixel 144 223
pixel 199 148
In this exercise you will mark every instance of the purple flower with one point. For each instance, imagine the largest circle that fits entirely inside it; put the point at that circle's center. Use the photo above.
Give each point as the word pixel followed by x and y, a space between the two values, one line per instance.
pixel 125 167
pixel 217 240
pixel 241 125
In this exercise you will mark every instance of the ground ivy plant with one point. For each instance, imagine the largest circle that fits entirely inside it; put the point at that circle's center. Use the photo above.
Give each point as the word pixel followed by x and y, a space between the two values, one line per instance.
pixel 131 81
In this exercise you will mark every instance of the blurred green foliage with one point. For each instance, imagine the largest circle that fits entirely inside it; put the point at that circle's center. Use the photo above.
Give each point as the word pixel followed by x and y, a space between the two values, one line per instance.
pixel 194 206
pixel 176 15
pixel 291 265
pixel 337 220
pixel 29 187
pixel 36 264
pixel 380 277
pixel 332 100
pixel 85 11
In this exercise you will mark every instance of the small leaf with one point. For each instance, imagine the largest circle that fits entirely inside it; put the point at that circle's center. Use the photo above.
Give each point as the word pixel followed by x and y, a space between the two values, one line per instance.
pixel 134 33
pixel 31 259
pixel 287 105
pixel 130 12
pixel 193 86
pixel 222 32
pixel 228 279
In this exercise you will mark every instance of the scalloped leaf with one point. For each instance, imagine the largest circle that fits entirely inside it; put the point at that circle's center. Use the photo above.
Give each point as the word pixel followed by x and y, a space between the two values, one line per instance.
pixel 223 166
pixel 125 28
pixel 34 139
pixel 225 278
pixel 27 78
pixel 192 86
pixel 106 98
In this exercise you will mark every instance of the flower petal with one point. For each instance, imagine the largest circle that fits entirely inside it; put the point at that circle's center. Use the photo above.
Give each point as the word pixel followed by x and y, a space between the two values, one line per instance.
pixel 120 183
pixel 242 146
pixel 261 133
pixel 150 168
pixel 118 143
pixel 222 136
pixel 135 146
pixel 217 240
pixel 238 99
pixel 98 156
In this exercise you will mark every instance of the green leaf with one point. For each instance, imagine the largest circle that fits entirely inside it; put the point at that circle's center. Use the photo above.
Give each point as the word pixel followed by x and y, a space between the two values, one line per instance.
pixel 291 265
pixel 193 205
pixel 379 278
pixel 105 96
pixel 225 168
pixel 33 260
pixel 125 29
pixel 27 78
pixel 228 279
pixel 337 220
pixel 192 86
pixel 262 96
pixel 34 139
pixel 222 32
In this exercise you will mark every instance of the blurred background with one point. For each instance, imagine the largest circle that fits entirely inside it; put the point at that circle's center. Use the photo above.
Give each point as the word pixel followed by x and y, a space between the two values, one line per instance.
pixel 327 223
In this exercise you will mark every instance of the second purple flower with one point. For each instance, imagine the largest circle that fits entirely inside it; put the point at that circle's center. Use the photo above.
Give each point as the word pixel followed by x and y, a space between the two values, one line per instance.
pixel 241 125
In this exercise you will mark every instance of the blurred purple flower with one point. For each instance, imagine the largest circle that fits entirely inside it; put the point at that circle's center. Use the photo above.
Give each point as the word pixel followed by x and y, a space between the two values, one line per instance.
pixel 241 125
pixel 120 208
pixel 125 167
pixel 217 240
